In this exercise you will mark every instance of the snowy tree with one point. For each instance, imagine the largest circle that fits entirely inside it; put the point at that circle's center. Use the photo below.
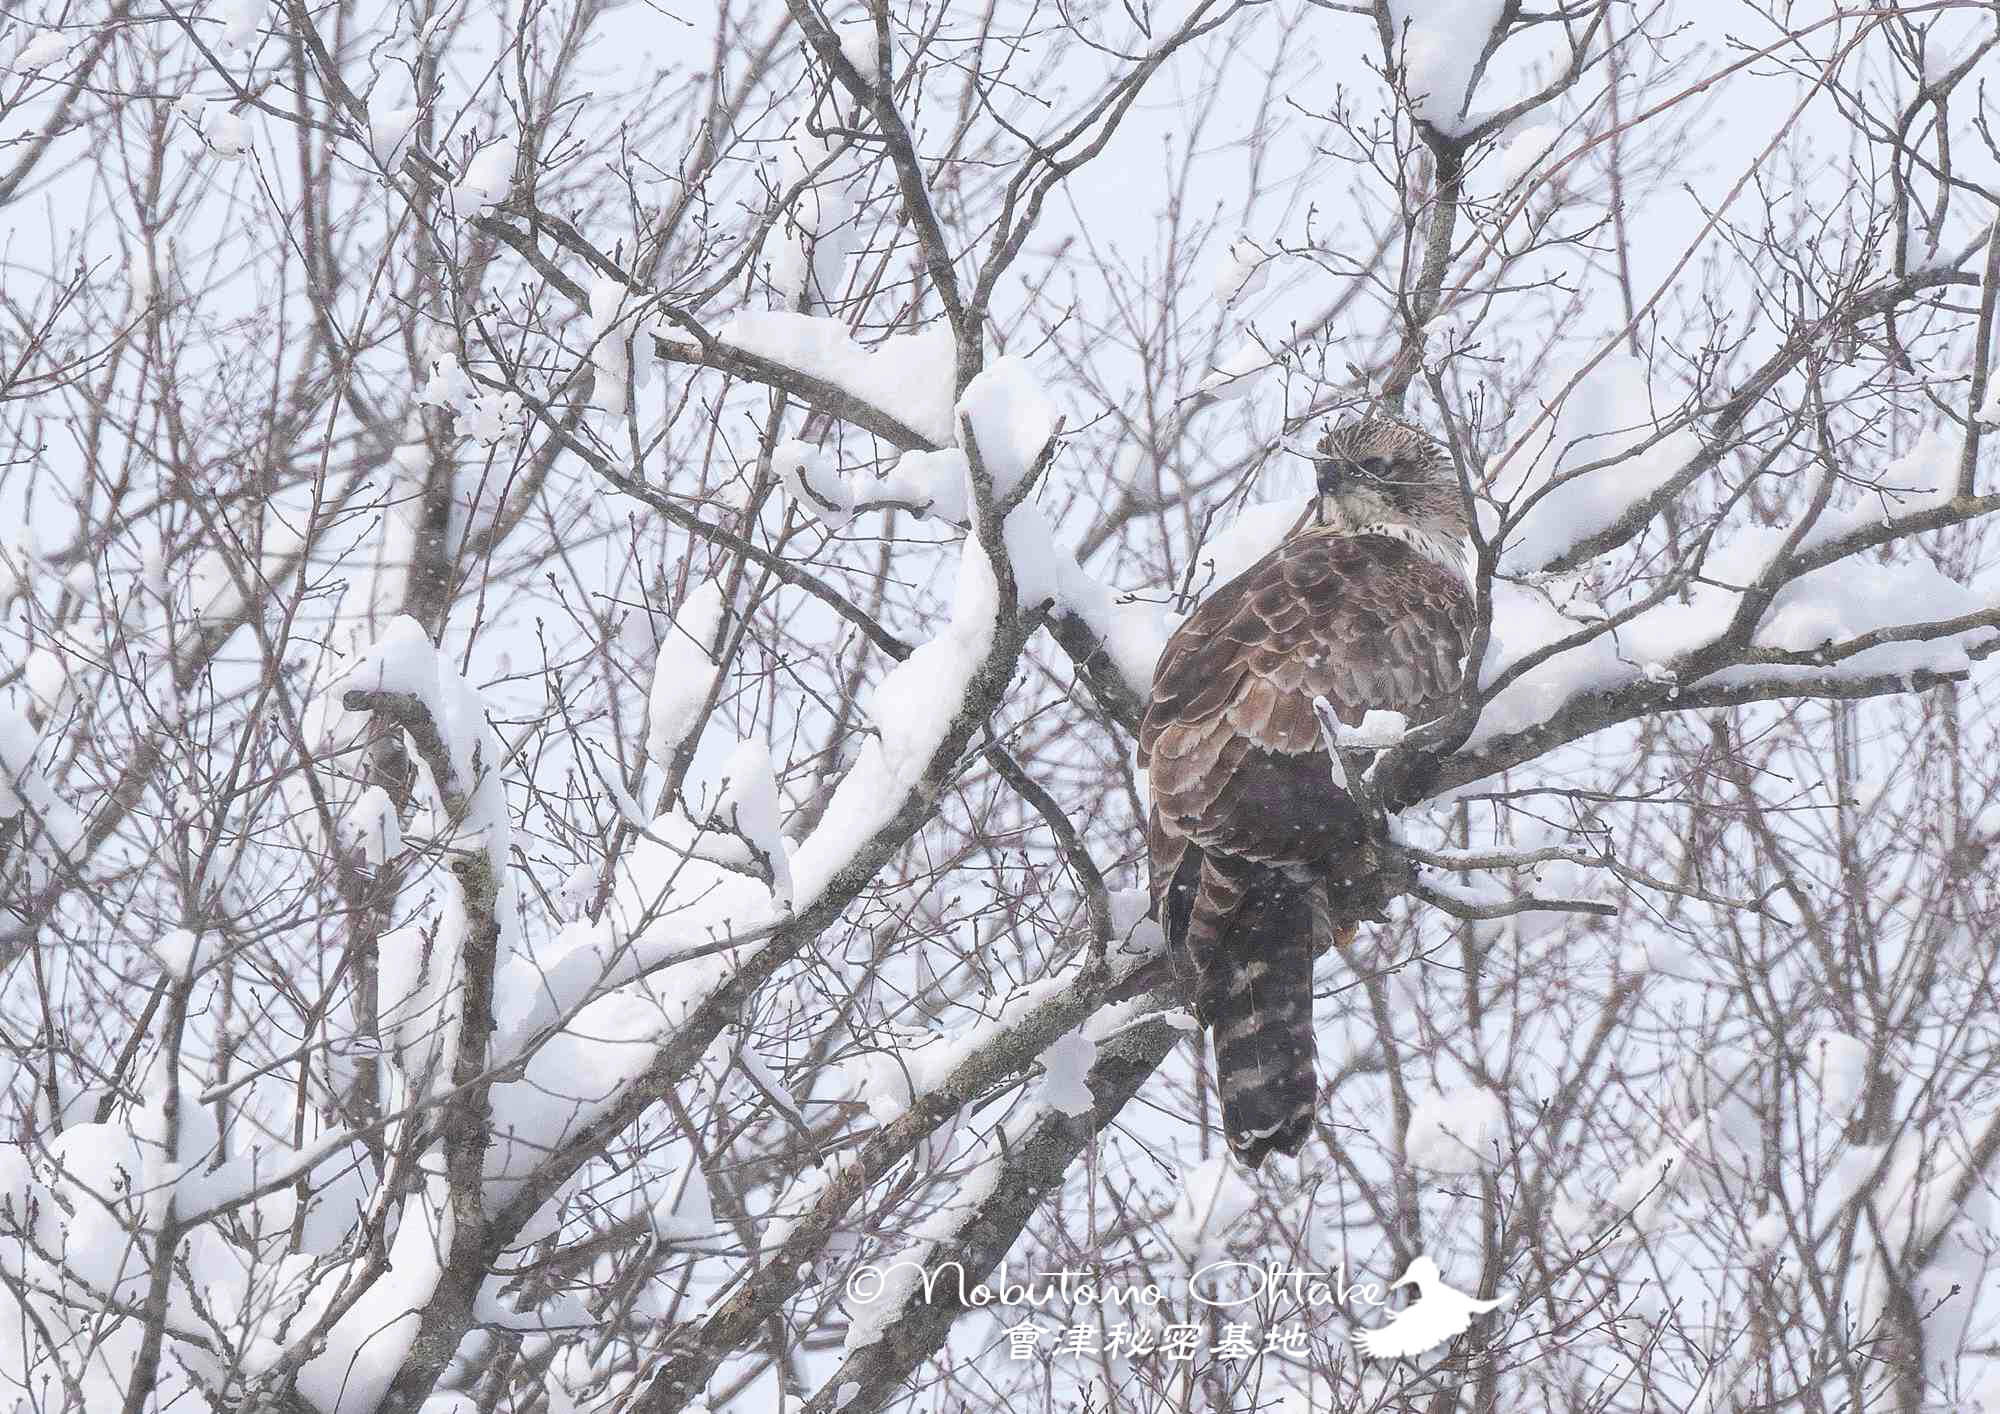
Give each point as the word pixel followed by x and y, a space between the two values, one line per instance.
pixel 577 585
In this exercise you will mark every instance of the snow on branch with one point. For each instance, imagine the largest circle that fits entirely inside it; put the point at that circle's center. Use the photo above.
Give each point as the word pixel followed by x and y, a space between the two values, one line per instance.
pixel 1720 427
pixel 437 970
pixel 1439 48
pixel 611 1052
pixel 1485 903
pixel 686 671
pixel 1849 623
pixel 749 805
pixel 1600 451
pixel 816 359
pixel 1026 1160
pixel 862 68
pixel 33 818
pixel 402 679
pixel 1020 1029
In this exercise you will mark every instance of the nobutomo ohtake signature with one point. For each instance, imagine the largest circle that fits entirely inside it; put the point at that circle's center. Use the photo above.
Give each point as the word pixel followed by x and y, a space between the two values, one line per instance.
pixel 1438 1312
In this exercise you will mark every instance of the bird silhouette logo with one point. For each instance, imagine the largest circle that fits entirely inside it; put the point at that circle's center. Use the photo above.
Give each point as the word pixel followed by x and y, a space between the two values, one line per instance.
pixel 1436 1315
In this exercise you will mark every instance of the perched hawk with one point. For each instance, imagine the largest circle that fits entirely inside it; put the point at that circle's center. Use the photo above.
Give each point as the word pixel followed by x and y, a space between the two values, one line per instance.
pixel 1367 604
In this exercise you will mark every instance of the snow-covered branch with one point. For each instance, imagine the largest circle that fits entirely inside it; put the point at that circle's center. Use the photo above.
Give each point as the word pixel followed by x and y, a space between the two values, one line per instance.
pixel 575 629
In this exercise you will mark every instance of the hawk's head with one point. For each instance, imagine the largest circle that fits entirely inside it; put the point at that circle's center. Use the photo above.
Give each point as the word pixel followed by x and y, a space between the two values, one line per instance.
pixel 1380 474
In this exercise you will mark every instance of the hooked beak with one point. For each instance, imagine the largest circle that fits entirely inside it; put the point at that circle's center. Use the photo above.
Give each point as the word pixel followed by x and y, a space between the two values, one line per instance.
pixel 1330 481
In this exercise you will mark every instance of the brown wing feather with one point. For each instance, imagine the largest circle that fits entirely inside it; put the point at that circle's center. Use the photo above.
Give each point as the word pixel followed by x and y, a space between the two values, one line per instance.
pixel 1364 620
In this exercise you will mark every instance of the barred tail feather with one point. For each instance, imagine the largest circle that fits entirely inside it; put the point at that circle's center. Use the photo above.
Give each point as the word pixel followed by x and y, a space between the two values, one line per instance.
pixel 1255 993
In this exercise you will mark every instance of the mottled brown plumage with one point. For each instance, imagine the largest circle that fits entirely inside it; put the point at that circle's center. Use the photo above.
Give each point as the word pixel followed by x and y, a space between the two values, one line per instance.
pixel 1250 842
